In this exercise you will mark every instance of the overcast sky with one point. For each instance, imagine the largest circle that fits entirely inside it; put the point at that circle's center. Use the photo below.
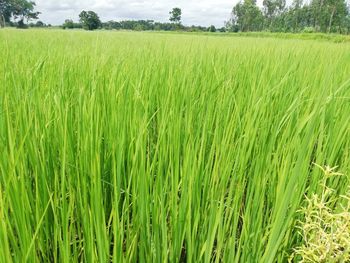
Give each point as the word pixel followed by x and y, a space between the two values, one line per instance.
pixel 194 12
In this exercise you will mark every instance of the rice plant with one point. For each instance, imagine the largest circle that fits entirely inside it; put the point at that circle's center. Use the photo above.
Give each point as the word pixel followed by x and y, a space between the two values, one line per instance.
pixel 150 147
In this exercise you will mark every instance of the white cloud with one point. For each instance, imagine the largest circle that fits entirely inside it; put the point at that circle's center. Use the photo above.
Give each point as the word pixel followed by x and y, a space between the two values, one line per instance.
pixel 204 12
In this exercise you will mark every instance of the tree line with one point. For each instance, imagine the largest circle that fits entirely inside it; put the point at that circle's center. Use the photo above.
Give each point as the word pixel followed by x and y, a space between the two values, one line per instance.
pixel 90 20
pixel 143 25
pixel 328 16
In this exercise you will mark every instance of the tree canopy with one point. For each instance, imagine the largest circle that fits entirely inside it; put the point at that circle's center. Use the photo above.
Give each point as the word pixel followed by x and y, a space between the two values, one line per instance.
pixel 175 15
pixel 313 16
pixel 246 16
pixel 18 10
pixel 89 20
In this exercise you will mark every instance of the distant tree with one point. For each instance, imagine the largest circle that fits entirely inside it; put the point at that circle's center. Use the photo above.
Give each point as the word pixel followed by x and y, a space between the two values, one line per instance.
pixel 139 27
pixel 111 25
pixel 293 17
pixel 175 15
pixel 5 12
pixel 18 10
pixel 247 16
pixel 89 20
pixel 68 23
pixel 346 23
pixel 24 9
pixel 301 16
pixel 212 28
pixel 39 24
pixel 328 15
pixel 272 10
pixel 167 26
pixel 194 28
pixel 222 29
pixel 231 25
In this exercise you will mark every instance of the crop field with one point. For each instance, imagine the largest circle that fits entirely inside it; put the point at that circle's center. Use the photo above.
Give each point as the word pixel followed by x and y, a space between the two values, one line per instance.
pixel 152 147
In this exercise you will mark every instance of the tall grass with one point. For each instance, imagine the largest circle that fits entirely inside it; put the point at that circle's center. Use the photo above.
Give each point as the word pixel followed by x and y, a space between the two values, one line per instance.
pixel 141 147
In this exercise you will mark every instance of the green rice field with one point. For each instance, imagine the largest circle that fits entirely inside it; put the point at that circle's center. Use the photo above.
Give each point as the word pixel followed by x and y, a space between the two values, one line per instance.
pixel 153 147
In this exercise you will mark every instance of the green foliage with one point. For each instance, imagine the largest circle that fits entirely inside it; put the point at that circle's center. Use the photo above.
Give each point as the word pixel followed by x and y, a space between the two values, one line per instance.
pixel 194 28
pixel 18 10
pixel 69 24
pixel 111 25
pixel 272 10
pixel 309 30
pixel 247 16
pixel 40 24
pixel 146 25
pixel 323 15
pixel 89 20
pixel 328 14
pixel 175 15
pixel 6 9
pixel 212 29
pixel 153 147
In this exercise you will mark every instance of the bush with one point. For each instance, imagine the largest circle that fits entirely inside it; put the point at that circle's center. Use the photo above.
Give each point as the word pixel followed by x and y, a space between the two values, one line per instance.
pixel 212 29
pixel 22 25
pixel 308 30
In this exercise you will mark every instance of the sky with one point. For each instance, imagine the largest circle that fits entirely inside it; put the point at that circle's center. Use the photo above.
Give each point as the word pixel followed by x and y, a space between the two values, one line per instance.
pixel 194 12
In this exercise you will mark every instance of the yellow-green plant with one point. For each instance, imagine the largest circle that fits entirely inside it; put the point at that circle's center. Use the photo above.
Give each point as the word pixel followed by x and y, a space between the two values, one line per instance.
pixel 325 230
